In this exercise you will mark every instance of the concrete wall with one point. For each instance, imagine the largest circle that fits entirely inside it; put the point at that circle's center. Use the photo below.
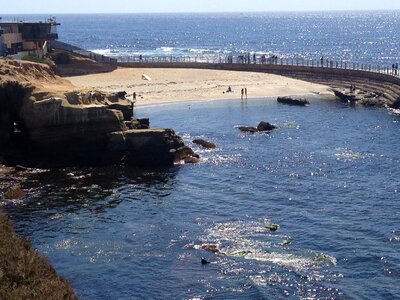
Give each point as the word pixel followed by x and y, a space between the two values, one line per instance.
pixel 2 48
pixel 11 38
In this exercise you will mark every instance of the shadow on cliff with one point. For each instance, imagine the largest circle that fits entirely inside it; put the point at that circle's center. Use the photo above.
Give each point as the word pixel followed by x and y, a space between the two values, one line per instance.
pixel 13 134
pixel 41 129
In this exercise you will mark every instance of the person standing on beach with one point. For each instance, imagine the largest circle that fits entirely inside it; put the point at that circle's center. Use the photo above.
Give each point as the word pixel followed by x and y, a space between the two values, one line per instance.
pixel 242 93
pixel 133 103
pixel 245 92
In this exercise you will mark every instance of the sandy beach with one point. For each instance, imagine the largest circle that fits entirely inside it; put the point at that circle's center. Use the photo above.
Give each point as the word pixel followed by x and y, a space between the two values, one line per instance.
pixel 170 85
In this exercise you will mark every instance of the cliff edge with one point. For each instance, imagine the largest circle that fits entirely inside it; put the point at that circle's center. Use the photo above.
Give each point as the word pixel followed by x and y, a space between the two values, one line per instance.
pixel 45 118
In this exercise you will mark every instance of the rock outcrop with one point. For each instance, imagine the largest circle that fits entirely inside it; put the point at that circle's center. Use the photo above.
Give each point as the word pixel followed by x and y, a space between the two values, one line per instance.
pixel 136 123
pixel 69 127
pixel 364 98
pixel 144 147
pixel 56 128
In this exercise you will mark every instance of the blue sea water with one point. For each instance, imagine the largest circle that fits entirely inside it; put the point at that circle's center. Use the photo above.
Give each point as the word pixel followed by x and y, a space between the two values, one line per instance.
pixel 328 176
pixel 364 37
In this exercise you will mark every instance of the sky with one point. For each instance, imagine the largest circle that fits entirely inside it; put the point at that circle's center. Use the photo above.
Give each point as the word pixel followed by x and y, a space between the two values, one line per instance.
pixel 149 6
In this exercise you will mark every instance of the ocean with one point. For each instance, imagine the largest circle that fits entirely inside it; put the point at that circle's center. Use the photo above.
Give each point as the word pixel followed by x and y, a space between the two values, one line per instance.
pixel 328 176
pixel 359 37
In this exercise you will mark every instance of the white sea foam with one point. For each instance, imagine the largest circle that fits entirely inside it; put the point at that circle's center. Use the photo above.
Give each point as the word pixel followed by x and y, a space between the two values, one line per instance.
pixel 252 241
pixel 346 154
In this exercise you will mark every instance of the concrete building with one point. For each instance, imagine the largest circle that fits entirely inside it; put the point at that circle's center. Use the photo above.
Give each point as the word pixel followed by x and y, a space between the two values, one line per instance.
pixel 19 39
pixel 2 46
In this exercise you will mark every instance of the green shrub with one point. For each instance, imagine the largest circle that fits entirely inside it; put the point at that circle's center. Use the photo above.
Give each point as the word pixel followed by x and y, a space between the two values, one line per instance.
pixel 35 59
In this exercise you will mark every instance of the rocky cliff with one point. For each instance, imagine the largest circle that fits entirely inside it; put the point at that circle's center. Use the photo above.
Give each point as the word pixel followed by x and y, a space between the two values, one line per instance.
pixel 44 117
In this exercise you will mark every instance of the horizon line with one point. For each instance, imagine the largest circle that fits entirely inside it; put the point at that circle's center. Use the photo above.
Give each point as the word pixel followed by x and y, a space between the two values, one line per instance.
pixel 201 12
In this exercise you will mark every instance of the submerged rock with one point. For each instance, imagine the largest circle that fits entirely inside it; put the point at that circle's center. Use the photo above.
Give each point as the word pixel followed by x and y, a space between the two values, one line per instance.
pixel 272 227
pixel 204 144
pixel 191 160
pixel 286 242
pixel 214 248
pixel 293 101
pixel 14 192
pixel 247 129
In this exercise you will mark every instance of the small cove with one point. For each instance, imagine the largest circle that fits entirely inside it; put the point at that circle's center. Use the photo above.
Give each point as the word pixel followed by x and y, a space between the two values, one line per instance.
pixel 327 176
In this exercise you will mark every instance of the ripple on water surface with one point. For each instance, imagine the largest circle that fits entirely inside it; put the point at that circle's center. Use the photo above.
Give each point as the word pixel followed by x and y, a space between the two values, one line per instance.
pixel 330 186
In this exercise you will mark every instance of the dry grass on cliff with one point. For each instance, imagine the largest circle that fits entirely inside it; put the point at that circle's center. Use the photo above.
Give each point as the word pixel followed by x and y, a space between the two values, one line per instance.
pixel 38 75
pixel 23 273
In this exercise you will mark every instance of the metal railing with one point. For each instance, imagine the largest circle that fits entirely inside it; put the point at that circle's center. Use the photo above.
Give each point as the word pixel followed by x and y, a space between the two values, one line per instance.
pixel 261 60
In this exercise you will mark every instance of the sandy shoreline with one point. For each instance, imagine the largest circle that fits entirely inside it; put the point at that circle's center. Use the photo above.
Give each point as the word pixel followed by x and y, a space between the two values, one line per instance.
pixel 173 85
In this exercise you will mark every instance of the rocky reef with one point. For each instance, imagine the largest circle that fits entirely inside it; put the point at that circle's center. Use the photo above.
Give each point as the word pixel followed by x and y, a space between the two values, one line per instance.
pixel 362 97
pixel 44 119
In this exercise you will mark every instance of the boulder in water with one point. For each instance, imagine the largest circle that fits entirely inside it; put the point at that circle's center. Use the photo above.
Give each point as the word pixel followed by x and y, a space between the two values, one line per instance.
pixel 293 101
pixel 265 126
pixel 204 144
pixel 185 154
